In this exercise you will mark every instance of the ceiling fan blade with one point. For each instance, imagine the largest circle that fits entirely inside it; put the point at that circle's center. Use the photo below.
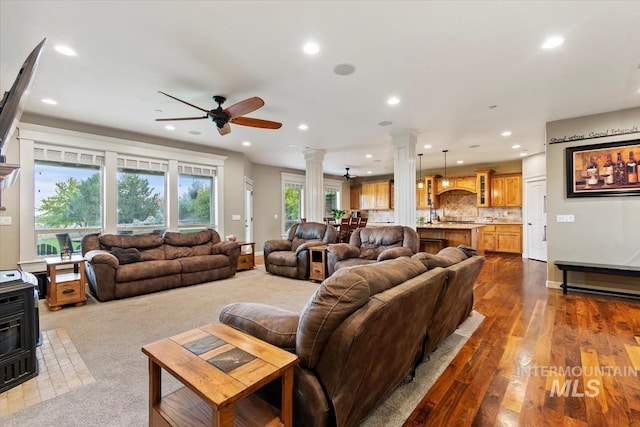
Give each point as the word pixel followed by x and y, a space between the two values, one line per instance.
pixel 244 107
pixel 225 129
pixel 182 118
pixel 256 123
pixel 184 102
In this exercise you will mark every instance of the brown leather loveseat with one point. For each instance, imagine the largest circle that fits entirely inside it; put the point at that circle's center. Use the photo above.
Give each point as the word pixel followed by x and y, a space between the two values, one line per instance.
pixel 362 333
pixel 120 266
pixel 290 257
pixel 372 244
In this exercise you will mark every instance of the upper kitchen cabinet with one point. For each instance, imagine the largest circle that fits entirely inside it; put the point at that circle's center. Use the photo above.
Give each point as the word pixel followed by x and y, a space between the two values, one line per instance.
pixel 430 197
pixel 376 195
pixel 355 193
pixel 506 190
pixel 482 187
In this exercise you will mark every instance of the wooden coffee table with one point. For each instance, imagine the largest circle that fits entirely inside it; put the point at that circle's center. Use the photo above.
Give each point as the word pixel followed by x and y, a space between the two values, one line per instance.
pixel 220 367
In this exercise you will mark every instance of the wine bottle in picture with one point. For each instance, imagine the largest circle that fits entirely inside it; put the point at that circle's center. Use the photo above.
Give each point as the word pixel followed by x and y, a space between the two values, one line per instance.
pixel 607 171
pixel 632 169
pixel 592 172
pixel 619 171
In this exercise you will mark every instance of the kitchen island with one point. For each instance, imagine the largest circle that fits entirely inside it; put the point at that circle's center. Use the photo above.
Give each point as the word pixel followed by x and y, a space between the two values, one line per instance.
pixel 450 234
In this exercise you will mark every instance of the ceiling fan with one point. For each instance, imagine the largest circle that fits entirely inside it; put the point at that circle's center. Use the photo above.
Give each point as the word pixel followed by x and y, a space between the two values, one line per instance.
pixel 233 114
pixel 348 176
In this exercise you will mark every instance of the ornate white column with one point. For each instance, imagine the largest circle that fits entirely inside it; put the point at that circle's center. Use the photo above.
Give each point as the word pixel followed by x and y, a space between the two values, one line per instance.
pixel 404 175
pixel 314 188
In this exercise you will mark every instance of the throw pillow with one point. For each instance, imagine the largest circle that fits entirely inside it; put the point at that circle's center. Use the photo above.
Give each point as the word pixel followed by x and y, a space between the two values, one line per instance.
pixel 127 256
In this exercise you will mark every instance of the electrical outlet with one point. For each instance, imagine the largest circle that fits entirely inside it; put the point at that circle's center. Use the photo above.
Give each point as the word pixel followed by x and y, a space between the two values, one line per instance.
pixel 5 220
pixel 565 218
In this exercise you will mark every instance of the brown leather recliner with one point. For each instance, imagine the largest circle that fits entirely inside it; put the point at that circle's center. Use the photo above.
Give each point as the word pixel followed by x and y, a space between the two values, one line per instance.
pixel 290 257
pixel 372 244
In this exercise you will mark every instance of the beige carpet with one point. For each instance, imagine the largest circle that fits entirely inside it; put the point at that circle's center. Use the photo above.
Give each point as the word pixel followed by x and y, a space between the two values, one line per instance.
pixel 108 337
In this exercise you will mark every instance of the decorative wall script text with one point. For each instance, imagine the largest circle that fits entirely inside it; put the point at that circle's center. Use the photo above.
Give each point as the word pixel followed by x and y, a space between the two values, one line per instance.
pixel 594 135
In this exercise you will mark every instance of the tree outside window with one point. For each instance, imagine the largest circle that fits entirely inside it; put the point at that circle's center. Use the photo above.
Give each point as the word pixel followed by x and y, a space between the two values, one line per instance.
pixel 140 199
pixel 194 200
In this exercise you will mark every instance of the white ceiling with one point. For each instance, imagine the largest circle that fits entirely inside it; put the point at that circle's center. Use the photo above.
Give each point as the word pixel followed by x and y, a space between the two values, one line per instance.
pixel 448 62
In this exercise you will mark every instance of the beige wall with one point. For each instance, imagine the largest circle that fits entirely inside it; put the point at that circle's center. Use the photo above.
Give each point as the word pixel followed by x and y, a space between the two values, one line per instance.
pixel 606 229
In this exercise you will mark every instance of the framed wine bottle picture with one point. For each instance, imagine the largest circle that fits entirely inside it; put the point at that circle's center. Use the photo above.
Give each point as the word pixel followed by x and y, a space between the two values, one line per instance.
pixel 609 169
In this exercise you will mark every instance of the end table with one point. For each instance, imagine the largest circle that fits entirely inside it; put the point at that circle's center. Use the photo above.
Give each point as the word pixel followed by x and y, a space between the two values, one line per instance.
pixel 66 288
pixel 318 263
pixel 247 260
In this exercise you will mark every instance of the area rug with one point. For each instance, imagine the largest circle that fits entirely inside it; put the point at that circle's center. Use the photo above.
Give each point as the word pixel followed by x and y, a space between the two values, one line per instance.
pixel 108 338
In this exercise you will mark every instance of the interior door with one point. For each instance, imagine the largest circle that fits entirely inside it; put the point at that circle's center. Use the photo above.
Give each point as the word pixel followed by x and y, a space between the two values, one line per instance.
pixel 248 210
pixel 536 219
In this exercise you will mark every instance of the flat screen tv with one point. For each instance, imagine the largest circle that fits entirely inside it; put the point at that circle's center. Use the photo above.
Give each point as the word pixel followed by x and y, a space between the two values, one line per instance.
pixel 14 99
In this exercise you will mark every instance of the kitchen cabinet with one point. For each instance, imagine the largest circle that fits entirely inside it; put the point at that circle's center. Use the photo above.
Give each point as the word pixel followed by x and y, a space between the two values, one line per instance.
pixel 376 195
pixel 483 188
pixel 467 183
pixel 506 190
pixel 503 238
pixel 453 234
pixel 431 199
pixel 354 196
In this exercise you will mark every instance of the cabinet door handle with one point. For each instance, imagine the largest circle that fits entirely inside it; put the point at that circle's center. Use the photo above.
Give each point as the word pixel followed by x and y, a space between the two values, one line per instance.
pixel 68 291
pixel 544 234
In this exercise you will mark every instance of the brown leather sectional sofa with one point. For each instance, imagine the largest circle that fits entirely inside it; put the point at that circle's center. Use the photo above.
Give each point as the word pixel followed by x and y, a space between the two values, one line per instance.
pixel 121 266
pixel 364 331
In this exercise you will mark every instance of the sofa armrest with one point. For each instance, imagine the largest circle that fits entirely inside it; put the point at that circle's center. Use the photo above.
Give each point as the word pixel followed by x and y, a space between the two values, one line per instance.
pixel 225 248
pixel 99 256
pixel 271 324
pixel 277 245
pixel 392 253
pixel 342 251
pixel 309 244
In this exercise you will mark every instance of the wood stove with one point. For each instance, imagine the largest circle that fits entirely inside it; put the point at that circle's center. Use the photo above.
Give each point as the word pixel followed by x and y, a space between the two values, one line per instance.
pixel 19 327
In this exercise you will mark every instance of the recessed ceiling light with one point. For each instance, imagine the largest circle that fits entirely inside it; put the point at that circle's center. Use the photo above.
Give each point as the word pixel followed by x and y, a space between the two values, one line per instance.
pixel 523 154
pixel 385 123
pixel 311 48
pixel 393 100
pixel 427 146
pixel 170 127
pixel 506 133
pixel 552 42
pixel 246 143
pixel 292 145
pixel 368 156
pixel 491 107
pixel 49 101
pixel 515 146
pixel 344 69
pixel 65 50
pixel 195 132
pixel 474 146
pixel 303 126
pixel 369 172
pixel 460 162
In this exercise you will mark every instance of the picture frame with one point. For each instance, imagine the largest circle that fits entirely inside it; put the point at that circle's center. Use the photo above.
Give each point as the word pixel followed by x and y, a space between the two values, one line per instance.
pixel 609 169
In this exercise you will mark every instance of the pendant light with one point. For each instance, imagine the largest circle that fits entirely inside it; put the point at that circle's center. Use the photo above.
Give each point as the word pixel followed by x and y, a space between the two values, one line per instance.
pixel 445 181
pixel 420 181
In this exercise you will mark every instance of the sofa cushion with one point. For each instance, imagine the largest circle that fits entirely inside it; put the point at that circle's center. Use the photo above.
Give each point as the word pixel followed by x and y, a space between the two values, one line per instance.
pixel 142 241
pixel 372 241
pixel 284 258
pixel 175 252
pixel 147 270
pixel 187 239
pixel 127 256
pixel 194 264
pixel 445 258
pixel 387 274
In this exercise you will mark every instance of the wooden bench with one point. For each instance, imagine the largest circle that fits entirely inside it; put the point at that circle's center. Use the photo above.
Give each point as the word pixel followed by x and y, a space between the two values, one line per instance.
pixel 585 267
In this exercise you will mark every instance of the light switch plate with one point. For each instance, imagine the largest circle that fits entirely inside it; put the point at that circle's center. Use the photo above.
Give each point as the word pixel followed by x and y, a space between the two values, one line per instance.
pixel 565 218
pixel 235 217
pixel 5 220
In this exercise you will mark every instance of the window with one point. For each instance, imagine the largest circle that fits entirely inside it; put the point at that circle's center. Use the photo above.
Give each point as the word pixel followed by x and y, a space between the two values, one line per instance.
pixel 194 202
pixel 67 201
pixel 331 199
pixel 140 201
pixel 293 199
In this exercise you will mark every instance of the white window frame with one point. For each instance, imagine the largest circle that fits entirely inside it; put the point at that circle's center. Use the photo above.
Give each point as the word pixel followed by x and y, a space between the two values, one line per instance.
pixel 294 180
pixel 32 136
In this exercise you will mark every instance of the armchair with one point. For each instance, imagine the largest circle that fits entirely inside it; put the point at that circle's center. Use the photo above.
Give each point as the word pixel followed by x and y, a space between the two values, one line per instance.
pixel 373 244
pixel 289 257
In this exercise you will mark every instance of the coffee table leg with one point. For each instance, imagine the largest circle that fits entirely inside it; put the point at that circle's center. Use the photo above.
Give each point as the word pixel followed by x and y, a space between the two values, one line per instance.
pixel 155 387
pixel 286 412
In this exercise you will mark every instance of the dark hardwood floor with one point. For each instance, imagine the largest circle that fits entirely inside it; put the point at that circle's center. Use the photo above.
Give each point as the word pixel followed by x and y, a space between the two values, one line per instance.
pixel 504 375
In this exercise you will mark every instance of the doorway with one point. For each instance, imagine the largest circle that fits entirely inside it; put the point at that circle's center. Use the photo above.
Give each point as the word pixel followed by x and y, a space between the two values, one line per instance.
pixel 248 210
pixel 536 219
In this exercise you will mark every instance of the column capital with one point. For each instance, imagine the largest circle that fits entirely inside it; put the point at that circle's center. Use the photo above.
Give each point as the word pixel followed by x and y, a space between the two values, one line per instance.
pixel 403 136
pixel 312 154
